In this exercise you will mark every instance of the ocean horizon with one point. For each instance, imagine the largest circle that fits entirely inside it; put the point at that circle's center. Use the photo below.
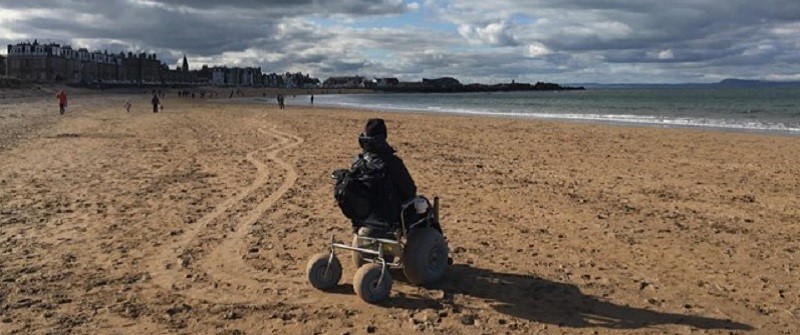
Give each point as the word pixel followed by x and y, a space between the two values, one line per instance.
pixel 770 109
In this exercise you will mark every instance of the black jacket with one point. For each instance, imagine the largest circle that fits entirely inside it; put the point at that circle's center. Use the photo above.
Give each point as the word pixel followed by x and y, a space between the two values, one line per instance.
pixel 399 175
pixel 397 188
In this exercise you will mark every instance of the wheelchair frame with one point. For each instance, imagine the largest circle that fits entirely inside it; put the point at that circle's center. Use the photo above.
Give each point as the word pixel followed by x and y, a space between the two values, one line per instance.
pixel 396 246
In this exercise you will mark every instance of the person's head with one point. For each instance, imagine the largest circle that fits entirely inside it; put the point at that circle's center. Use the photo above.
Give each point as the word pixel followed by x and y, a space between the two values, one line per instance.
pixel 374 136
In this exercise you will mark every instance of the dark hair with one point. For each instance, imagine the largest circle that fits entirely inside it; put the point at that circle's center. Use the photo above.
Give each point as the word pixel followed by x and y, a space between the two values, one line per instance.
pixel 375 128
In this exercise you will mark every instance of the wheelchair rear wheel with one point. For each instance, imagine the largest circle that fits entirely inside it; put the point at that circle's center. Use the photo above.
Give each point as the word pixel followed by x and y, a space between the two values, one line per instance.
pixel 425 258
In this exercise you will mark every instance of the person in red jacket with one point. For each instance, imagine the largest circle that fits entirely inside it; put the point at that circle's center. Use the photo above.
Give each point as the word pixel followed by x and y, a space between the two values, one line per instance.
pixel 62 102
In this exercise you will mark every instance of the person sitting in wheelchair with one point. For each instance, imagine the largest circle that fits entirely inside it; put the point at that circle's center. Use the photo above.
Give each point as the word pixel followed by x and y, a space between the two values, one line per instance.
pixel 392 225
pixel 387 182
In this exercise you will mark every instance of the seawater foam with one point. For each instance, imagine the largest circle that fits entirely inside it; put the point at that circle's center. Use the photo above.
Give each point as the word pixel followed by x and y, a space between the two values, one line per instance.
pixel 606 118
pixel 420 105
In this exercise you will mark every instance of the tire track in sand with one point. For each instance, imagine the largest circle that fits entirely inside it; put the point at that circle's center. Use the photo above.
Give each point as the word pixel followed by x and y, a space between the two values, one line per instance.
pixel 163 268
pixel 225 263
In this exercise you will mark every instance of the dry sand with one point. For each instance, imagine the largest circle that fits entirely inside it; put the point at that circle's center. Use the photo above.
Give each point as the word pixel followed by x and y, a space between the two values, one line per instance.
pixel 199 220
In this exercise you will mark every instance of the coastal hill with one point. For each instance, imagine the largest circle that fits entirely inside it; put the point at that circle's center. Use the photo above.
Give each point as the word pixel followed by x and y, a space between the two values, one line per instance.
pixel 451 85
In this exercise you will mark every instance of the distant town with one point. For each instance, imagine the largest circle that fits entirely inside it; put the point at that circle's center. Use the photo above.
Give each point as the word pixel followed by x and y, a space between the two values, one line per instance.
pixel 55 63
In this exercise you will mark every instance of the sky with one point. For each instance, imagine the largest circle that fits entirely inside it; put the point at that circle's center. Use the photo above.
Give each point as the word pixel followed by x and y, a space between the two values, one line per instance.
pixel 475 41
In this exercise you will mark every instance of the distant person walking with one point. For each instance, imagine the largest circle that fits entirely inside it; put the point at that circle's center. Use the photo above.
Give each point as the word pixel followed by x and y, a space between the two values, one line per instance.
pixel 156 103
pixel 312 99
pixel 280 101
pixel 128 106
pixel 62 102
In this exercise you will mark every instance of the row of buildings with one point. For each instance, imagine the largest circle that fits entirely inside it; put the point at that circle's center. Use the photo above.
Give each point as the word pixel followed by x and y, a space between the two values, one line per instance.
pixel 388 83
pixel 55 63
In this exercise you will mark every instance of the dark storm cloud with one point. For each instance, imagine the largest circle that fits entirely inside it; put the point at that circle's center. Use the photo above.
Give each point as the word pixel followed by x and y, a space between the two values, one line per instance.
pixel 275 7
pixel 477 40
pixel 197 27
pixel 299 7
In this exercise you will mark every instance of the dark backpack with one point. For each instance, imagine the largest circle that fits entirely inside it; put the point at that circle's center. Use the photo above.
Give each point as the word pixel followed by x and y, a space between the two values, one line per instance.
pixel 351 195
pixel 357 189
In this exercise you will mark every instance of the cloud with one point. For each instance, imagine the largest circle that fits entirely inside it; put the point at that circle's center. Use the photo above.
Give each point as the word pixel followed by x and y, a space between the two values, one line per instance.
pixel 496 34
pixel 689 35
pixel 199 28
pixel 536 49
pixel 474 40
pixel 666 54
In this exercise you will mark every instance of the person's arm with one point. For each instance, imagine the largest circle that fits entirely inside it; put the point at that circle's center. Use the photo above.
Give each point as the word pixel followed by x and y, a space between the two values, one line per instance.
pixel 401 178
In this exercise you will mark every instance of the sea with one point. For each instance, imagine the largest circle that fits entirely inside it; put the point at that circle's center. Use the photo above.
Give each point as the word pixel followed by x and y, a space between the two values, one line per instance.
pixel 757 109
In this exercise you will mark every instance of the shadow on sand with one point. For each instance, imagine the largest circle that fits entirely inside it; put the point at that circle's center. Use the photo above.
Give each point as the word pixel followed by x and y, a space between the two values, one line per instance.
pixel 540 300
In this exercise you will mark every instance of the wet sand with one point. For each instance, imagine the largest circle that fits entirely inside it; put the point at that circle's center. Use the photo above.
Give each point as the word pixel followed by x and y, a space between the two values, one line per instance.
pixel 200 220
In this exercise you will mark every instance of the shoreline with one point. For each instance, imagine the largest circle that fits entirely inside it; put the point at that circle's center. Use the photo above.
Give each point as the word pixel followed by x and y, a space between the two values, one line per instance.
pixel 41 99
pixel 757 111
pixel 722 129
pixel 253 95
pixel 519 116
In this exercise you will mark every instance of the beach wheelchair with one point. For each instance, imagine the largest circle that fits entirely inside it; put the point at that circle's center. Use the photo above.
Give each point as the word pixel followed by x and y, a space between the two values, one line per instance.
pixel 415 244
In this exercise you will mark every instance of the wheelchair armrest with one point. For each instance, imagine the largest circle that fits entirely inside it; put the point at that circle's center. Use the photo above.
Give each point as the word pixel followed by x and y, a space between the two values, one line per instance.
pixel 412 202
pixel 405 205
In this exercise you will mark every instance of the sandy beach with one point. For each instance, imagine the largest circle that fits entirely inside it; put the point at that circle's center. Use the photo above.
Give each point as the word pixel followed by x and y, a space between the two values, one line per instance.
pixel 200 220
